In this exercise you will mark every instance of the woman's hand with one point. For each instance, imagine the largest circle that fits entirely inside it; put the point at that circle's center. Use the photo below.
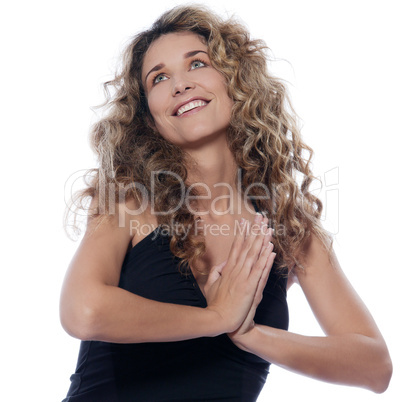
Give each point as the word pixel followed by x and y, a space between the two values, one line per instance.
pixel 248 323
pixel 236 285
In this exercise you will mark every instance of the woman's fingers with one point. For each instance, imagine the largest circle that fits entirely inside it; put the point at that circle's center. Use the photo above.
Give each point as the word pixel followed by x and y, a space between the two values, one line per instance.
pixel 262 282
pixel 247 248
pixel 267 238
pixel 262 261
pixel 265 261
pixel 268 267
pixel 214 275
pixel 238 243
pixel 233 286
pixel 252 245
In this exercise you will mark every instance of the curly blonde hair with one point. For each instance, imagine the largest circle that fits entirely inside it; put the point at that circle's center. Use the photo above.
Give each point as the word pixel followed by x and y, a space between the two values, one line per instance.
pixel 263 136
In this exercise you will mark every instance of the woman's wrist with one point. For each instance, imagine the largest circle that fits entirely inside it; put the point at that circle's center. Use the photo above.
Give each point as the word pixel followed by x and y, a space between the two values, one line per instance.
pixel 214 322
pixel 246 340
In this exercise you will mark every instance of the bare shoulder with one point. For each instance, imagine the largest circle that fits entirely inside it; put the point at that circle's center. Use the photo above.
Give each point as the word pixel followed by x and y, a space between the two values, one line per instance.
pixel 97 262
pixel 138 219
pixel 118 216
pixel 314 256
pixel 105 243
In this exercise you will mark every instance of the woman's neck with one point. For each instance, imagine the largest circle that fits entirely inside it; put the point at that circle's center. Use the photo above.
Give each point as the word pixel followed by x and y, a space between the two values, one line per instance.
pixel 214 173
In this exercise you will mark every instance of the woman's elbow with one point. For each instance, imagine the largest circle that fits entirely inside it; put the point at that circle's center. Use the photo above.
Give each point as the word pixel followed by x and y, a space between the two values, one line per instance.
pixel 78 320
pixel 382 372
pixel 383 376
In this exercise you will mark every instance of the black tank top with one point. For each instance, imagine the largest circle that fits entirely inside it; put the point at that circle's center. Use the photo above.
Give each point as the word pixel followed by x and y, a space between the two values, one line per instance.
pixel 201 369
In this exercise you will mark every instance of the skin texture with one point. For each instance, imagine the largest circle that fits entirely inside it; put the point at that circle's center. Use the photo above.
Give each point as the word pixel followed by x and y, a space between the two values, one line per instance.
pixel 182 78
pixel 352 353
pixel 93 307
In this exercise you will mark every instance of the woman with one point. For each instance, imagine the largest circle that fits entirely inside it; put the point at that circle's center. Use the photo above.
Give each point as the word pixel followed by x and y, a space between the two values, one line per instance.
pixel 175 289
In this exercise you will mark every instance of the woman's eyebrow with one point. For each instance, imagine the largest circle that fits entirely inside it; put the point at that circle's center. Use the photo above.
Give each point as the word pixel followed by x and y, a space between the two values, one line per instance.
pixel 186 56
pixel 193 53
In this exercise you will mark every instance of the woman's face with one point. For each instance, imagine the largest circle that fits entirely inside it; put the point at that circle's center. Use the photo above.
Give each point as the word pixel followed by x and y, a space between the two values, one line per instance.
pixel 187 97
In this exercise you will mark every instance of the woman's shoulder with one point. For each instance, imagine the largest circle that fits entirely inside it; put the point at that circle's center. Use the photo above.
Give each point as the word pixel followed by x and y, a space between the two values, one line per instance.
pixel 138 219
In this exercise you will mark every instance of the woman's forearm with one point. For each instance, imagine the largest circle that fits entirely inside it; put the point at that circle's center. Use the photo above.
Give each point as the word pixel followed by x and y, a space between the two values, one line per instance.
pixel 92 307
pixel 116 315
pixel 349 359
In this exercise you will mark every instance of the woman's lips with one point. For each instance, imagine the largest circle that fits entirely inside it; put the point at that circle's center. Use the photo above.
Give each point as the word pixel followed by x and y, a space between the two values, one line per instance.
pixel 190 106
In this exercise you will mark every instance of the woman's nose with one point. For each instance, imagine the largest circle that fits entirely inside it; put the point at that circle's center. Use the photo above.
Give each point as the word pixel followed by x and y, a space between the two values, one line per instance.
pixel 181 84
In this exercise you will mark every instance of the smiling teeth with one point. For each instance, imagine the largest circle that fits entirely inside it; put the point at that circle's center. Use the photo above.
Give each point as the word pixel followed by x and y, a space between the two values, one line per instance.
pixel 190 105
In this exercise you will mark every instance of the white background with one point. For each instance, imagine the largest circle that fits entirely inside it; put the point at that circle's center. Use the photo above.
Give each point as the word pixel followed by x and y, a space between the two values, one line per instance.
pixel 342 60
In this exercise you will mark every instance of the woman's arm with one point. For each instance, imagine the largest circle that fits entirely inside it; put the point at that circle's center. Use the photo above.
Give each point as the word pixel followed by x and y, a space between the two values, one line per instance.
pixel 352 353
pixel 93 307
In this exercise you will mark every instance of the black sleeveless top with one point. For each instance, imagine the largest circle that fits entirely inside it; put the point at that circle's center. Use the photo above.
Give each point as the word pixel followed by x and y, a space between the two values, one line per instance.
pixel 201 369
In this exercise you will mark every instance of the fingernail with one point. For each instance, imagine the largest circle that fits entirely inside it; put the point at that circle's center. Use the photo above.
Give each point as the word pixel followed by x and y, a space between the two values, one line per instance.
pixel 274 254
pixel 258 217
pixel 242 221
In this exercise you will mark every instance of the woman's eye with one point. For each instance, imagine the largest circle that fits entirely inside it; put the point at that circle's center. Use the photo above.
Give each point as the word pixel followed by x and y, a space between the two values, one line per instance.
pixel 194 64
pixel 197 64
pixel 159 78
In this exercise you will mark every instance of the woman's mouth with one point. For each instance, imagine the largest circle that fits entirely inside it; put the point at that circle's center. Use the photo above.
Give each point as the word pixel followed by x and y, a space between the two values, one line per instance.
pixel 195 104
